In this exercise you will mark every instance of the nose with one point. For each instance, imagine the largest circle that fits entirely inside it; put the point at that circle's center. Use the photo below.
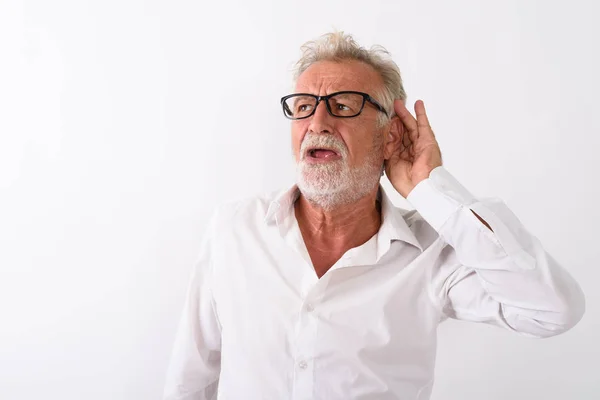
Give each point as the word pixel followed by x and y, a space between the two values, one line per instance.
pixel 321 121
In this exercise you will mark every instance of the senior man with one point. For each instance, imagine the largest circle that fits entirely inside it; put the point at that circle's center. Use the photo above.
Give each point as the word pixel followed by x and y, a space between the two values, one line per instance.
pixel 327 290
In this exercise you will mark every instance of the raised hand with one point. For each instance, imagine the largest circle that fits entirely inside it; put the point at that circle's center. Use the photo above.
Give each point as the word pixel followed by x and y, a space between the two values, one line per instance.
pixel 418 152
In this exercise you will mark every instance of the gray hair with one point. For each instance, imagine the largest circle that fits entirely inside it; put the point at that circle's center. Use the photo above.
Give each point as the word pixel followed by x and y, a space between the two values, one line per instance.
pixel 337 46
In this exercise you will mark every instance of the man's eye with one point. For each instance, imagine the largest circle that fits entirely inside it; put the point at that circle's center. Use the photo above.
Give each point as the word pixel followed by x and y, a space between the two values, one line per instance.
pixel 304 107
pixel 342 107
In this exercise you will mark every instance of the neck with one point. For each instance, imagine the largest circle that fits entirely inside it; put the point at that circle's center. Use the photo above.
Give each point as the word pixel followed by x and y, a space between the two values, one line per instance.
pixel 339 228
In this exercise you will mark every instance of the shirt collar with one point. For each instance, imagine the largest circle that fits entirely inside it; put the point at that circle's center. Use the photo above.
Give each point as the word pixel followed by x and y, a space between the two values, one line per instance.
pixel 393 226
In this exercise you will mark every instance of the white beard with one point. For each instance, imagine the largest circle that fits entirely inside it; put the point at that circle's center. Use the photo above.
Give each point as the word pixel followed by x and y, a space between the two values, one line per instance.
pixel 336 183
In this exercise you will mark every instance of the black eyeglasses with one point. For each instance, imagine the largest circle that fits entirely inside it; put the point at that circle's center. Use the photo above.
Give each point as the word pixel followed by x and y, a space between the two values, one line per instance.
pixel 345 104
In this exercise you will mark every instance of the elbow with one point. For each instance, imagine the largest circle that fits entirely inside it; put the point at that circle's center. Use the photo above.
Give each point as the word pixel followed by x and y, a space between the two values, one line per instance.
pixel 566 312
pixel 561 319
pixel 572 311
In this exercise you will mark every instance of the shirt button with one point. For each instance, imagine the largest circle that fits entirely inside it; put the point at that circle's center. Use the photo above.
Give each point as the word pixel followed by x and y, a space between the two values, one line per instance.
pixel 309 307
pixel 302 364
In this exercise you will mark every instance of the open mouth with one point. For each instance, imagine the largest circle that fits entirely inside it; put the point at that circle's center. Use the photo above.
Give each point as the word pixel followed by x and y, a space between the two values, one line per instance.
pixel 322 154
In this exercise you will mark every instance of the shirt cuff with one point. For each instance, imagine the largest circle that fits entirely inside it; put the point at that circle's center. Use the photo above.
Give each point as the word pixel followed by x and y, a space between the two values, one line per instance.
pixel 438 197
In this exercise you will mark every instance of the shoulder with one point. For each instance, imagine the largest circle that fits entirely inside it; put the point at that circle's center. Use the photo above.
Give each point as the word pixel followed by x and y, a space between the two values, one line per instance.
pixel 249 209
pixel 423 231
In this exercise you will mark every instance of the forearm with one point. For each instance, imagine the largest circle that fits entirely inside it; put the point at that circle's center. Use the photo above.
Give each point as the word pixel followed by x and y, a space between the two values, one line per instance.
pixel 482 221
pixel 500 272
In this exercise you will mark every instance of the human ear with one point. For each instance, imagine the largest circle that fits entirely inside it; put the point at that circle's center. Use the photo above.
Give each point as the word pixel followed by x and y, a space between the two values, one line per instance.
pixel 393 137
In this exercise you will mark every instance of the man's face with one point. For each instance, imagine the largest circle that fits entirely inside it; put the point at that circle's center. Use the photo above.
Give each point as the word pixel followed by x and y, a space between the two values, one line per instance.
pixel 354 168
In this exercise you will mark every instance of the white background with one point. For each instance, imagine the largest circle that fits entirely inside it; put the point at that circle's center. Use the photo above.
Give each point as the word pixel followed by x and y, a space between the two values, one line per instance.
pixel 123 123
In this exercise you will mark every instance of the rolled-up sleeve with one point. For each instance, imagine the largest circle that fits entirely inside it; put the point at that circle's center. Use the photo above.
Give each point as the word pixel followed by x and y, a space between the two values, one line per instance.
pixel 501 276
pixel 193 371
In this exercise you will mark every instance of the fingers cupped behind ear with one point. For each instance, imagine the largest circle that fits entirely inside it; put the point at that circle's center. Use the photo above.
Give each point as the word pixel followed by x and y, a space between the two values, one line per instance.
pixel 406 117
pixel 422 120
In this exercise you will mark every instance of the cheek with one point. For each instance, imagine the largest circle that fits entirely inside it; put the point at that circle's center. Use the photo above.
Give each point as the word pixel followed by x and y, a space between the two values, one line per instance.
pixel 359 153
pixel 297 136
pixel 359 143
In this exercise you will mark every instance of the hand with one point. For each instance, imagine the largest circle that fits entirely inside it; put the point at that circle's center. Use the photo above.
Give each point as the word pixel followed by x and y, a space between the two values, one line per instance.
pixel 418 153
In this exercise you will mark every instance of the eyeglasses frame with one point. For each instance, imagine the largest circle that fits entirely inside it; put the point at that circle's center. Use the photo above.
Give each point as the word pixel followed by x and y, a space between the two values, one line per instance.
pixel 365 97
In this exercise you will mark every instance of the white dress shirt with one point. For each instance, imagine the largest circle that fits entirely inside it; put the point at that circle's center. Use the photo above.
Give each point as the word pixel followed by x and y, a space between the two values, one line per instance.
pixel 259 324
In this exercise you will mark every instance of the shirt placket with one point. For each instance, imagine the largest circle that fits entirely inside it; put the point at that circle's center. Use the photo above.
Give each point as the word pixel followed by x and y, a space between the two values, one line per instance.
pixel 306 339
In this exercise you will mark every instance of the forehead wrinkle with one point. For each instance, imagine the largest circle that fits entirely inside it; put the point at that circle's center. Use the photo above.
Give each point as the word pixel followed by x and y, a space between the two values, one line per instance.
pixel 329 77
pixel 324 83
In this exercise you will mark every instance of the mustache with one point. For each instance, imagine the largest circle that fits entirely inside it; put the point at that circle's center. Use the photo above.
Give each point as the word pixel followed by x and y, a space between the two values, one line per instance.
pixel 325 141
